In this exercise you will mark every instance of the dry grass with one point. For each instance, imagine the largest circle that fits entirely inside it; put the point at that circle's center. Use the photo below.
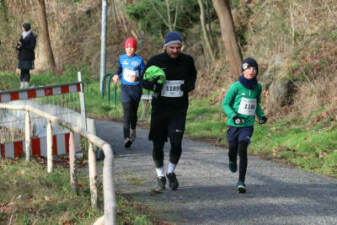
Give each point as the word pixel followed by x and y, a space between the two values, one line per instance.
pixel 320 93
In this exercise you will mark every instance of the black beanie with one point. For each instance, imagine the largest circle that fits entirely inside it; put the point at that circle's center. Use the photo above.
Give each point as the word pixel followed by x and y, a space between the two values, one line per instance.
pixel 26 26
pixel 249 62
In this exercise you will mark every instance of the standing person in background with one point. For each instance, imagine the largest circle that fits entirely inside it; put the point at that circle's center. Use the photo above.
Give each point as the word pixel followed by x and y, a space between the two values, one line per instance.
pixel 26 56
pixel 169 106
pixel 130 73
pixel 240 104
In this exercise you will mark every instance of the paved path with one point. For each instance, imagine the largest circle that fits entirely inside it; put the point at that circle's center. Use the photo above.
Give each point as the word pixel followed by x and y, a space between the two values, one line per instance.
pixel 276 194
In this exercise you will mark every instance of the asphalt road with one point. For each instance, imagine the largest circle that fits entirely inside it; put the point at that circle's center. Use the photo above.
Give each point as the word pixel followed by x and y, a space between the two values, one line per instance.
pixel 276 194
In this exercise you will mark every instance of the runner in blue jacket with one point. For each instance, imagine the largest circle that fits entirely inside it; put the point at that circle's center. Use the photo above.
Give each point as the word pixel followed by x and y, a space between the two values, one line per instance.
pixel 130 73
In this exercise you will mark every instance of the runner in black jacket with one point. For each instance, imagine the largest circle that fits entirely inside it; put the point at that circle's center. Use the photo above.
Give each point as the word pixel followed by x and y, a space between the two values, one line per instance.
pixel 169 106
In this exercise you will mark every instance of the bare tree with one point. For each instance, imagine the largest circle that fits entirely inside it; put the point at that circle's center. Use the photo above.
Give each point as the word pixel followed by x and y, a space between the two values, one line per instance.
pixel 204 31
pixel 171 25
pixel 233 52
pixel 45 36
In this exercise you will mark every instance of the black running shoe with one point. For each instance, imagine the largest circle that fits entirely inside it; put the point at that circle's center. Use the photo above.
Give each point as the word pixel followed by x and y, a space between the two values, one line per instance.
pixel 127 142
pixel 173 182
pixel 161 182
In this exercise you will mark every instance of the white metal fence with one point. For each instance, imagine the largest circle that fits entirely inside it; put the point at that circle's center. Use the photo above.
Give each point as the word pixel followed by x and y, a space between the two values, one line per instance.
pixel 45 115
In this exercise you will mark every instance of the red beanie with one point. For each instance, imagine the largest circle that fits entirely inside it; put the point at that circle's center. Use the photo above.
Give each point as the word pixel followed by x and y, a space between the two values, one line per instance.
pixel 130 42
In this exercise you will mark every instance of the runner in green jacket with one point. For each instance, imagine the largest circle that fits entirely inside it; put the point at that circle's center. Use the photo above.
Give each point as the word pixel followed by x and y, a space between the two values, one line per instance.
pixel 241 104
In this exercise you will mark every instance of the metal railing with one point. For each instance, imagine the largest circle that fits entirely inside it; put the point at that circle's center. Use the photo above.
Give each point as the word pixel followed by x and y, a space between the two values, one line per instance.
pixel 108 185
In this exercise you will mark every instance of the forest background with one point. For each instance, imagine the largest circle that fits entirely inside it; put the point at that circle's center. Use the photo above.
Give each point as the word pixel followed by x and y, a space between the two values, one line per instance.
pixel 294 42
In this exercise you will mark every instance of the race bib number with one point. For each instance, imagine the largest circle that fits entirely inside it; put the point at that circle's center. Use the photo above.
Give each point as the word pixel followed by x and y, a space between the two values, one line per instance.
pixel 171 89
pixel 247 106
pixel 130 75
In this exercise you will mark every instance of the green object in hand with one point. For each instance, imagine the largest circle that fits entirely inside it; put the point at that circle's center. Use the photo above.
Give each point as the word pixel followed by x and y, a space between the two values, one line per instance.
pixel 155 73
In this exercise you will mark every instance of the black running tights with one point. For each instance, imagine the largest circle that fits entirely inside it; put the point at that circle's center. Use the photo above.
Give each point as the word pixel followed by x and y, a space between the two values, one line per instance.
pixel 232 154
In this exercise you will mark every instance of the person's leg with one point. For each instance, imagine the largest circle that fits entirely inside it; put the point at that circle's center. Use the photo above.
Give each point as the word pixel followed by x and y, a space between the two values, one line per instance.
pixel 28 76
pixel 126 123
pixel 176 130
pixel 242 148
pixel 158 135
pixel 133 119
pixel 158 153
pixel 23 77
pixel 244 140
pixel 158 159
pixel 232 134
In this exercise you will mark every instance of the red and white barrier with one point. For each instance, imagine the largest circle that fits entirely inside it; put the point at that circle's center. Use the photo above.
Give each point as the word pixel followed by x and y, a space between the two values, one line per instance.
pixel 24 94
pixel 39 146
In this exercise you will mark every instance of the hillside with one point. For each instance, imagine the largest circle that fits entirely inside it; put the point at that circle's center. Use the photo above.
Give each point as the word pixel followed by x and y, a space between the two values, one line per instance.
pixel 294 43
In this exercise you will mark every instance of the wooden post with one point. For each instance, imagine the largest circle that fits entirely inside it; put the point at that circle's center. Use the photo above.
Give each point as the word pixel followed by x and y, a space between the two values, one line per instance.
pixel 49 147
pixel 146 101
pixel 110 204
pixel 72 162
pixel 28 146
pixel 92 175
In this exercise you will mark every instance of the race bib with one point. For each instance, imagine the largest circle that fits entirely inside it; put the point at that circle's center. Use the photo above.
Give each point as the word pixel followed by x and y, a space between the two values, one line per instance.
pixel 247 106
pixel 171 89
pixel 130 75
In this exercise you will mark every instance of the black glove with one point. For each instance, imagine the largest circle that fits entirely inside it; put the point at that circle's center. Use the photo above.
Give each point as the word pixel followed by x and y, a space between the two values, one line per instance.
pixel 238 120
pixel 183 87
pixel 157 87
pixel 262 120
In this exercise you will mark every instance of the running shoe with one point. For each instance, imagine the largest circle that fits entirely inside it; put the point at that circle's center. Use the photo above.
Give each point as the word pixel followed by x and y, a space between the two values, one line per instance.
pixel 161 182
pixel 173 182
pixel 127 142
pixel 232 166
pixel 241 187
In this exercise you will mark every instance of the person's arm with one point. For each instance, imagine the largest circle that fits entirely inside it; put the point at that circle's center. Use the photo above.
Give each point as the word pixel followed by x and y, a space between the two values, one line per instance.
pixel 119 68
pixel 141 71
pixel 151 85
pixel 228 101
pixel 117 75
pixel 189 84
pixel 259 111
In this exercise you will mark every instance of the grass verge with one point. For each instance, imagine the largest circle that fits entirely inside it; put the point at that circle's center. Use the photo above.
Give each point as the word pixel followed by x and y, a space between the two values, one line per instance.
pixel 30 195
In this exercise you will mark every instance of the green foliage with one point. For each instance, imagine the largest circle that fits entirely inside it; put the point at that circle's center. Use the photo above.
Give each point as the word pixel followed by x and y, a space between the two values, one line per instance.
pixel 8 81
pixel 33 196
pixel 149 21
pixel 205 121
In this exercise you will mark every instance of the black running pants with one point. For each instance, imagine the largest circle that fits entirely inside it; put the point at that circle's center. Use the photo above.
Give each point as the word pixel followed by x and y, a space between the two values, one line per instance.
pixel 129 117
pixel 167 124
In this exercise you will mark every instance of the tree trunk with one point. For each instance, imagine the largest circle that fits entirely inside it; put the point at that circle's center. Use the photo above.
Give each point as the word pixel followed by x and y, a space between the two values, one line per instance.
pixel 204 31
pixel 233 53
pixel 50 60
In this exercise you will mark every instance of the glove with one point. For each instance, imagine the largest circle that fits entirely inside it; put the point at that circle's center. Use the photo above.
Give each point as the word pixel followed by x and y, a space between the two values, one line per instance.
pixel 156 86
pixel 183 87
pixel 238 120
pixel 262 120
